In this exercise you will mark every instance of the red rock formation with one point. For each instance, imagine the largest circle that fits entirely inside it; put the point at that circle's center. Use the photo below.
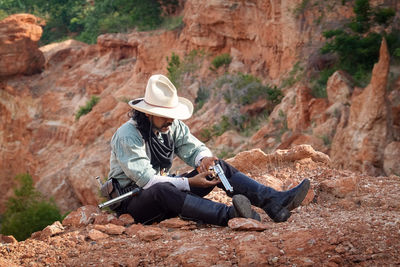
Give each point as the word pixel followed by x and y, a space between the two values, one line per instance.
pixel 298 118
pixel 339 88
pixel 40 134
pixel 265 33
pixel 391 158
pixel 361 139
pixel 19 52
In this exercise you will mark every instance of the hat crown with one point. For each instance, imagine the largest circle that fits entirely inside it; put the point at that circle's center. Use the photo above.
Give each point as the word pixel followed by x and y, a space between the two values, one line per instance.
pixel 161 92
pixel 161 99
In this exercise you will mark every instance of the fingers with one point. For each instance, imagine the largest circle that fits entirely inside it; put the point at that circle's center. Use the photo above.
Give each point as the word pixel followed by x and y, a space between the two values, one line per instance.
pixel 200 180
pixel 206 163
pixel 213 182
pixel 204 167
pixel 206 173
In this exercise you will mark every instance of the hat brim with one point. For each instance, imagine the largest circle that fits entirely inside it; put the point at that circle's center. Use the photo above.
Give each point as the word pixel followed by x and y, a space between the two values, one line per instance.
pixel 182 111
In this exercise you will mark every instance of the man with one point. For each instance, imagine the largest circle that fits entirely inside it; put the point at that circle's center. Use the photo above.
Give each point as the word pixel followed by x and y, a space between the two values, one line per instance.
pixel 142 151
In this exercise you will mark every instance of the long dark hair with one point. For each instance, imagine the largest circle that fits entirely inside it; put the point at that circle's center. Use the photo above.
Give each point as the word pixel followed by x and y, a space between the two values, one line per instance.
pixel 143 122
pixel 161 154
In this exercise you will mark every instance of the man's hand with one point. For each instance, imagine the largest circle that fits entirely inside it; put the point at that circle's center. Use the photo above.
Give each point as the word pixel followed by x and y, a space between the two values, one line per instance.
pixel 206 163
pixel 200 180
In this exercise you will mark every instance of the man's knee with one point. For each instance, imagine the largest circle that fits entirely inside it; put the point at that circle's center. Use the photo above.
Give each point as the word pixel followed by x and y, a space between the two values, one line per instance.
pixel 165 187
pixel 228 169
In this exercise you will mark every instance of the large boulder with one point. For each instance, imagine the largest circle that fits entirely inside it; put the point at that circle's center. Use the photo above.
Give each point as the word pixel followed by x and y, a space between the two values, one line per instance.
pixel 19 52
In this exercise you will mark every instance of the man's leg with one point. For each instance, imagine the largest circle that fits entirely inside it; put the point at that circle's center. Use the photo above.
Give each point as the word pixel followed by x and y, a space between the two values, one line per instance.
pixel 159 202
pixel 276 204
pixel 164 200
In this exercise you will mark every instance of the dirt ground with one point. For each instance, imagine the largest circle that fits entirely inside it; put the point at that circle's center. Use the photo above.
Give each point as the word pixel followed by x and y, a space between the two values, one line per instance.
pixel 340 226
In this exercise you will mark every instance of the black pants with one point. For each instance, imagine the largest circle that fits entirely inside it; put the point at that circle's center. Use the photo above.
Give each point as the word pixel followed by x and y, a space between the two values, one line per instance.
pixel 163 200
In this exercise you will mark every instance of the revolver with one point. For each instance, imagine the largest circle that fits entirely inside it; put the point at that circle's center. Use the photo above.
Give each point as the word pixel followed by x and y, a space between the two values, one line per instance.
pixel 219 172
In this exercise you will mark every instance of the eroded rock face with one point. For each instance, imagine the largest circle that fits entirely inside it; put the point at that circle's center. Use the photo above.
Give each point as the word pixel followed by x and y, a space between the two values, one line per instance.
pixel 360 140
pixel 19 52
pixel 391 162
pixel 298 118
pixel 264 32
pixel 40 135
pixel 339 88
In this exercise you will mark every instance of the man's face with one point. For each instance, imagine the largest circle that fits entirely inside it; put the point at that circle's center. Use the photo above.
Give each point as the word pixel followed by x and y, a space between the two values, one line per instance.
pixel 160 124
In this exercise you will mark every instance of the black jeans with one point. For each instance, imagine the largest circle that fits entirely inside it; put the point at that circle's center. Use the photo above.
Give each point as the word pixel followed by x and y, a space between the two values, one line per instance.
pixel 163 200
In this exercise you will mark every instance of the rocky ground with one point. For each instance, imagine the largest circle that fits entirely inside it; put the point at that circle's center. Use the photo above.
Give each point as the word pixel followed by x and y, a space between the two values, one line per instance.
pixel 347 219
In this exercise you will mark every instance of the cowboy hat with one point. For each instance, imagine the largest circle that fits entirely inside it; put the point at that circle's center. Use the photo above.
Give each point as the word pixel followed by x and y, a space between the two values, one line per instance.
pixel 161 99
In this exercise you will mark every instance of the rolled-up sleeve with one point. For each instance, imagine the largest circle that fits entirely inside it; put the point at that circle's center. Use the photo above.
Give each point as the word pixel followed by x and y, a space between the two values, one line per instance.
pixel 130 153
pixel 187 146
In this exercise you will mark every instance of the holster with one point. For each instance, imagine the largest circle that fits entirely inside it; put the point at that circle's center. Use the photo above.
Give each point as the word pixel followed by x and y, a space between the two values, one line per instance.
pixel 111 189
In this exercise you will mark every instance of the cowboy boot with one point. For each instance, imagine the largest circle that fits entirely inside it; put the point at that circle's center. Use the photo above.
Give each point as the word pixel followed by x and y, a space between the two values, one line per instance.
pixel 277 204
pixel 207 211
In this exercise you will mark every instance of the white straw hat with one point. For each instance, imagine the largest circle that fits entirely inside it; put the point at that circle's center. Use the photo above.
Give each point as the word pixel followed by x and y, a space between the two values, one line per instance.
pixel 161 99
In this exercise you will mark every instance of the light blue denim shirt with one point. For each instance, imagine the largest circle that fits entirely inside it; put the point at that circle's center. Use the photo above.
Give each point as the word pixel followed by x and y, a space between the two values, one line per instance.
pixel 129 161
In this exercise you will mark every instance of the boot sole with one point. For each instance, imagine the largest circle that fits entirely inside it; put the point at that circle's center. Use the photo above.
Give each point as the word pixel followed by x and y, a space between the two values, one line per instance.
pixel 242 205
pixel 300 196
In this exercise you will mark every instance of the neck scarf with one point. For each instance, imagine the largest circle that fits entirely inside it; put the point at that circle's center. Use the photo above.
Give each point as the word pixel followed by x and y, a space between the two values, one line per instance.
pixel 161 154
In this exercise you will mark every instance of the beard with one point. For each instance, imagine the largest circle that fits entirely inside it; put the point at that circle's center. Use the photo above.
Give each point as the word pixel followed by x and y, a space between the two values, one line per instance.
pixel 164 129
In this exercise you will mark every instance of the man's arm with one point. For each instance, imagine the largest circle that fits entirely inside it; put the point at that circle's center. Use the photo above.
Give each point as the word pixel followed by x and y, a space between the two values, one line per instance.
pixel 130 155
pixel 181 183
pixel 187 146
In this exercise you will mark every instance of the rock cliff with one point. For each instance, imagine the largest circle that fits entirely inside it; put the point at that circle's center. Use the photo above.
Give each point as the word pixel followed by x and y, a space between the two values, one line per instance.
pixel 42 89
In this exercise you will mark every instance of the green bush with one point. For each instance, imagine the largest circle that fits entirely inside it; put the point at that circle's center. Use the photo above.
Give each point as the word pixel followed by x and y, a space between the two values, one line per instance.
pixel 245 89
pixel 295 75
pixel 384 15
pixel 361 22
pixel 393 41
pixel 110 16
pixel 172 23
pixel 216 130
pixel 177 68
pixel 27 211
pixel 174 68
pixel 240 90
pixel 202 95
pixel 220 60
pixel 356 47
pixel 318 86
pixel 397 53
pixel 87 108
pixel 3 14
pixel 85 21
pixel 355 51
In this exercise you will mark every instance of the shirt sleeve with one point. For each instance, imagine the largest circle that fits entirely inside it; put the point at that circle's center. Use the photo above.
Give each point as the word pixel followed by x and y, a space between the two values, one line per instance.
pixel 131 156
pixel 182 183
pixel 187 146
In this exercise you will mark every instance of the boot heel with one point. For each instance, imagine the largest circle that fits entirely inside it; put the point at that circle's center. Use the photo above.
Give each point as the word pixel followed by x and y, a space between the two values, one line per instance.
pixel 243 208
pixel 282 215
